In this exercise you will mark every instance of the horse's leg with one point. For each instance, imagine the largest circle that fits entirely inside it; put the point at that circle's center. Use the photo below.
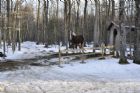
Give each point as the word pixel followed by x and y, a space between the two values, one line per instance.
pixel 82 47
pixel 76 47
pixel 79 47
pixel 73 48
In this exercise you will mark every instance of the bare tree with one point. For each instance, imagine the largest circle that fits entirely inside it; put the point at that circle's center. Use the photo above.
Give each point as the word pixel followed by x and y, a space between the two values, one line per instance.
pixel 19 25
pixel 137 33
pixel 66 22
pixel 96 24
pixel 0 24
pixel 113 10
pixel 11 5
pixel 8 21
pixel 123 59
pixel 69 19
pixel 38 20
pixel 0 6
pixel 112 17
pixel 77 16
pixel 46 9
pixel 57 16
pixel 4 32
pixel 85 19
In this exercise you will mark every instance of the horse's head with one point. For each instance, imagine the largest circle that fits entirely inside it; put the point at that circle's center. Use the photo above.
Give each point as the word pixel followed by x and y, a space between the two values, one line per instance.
pixel 75 40
pixel 73 33
pixel 72 36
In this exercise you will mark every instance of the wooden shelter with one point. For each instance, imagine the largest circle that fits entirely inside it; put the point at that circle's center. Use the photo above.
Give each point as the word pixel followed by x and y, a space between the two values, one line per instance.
pixel 114 35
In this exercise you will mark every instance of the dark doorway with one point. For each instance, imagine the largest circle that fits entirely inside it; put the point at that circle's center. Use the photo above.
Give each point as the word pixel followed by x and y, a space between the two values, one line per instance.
pixel 114 36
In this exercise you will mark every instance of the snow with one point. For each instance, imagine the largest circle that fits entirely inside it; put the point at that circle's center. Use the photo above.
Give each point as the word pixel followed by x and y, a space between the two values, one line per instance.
pixel 30 50
pixel 93 76
pixel 105 69
pixel 71 87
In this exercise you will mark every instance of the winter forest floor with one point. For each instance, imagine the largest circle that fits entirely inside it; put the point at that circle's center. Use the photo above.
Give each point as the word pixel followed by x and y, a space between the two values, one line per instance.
pixel 94 76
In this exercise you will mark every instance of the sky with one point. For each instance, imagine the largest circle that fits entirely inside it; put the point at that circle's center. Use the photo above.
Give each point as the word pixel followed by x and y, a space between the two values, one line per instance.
pixel 89 8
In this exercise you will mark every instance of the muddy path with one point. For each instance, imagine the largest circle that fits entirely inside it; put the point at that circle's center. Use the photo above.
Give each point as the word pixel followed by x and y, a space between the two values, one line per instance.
pixel 10 65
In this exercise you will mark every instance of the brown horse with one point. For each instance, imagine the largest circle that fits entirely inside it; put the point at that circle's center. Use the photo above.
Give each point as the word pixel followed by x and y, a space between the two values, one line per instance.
pixel 76 40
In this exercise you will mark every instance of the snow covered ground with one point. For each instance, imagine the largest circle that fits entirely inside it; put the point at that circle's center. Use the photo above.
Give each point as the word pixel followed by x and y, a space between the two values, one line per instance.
pixel 94 76
pixel 30 50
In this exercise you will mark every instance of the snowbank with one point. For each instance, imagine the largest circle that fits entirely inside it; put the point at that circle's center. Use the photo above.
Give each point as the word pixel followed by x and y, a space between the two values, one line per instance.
pixel 70 87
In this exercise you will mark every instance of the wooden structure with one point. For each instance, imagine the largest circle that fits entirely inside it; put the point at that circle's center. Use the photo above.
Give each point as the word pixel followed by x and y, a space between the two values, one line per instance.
pixel 114 35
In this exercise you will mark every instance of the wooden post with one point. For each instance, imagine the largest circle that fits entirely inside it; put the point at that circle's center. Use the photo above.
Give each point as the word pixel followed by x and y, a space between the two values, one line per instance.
pixel 83 57
pixel 60 62
pixel 102 50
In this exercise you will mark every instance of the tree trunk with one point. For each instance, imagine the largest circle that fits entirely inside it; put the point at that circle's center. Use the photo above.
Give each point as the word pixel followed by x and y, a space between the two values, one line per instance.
pixel 0 7
pixel 11 5
pixel 137 33
pixel 44 28
pixel 8 22
pixel 69 20
pixel 19 36
pixel 45 21
pixel 66 23
pixel 77 16
pixel 0 25
pixel 85 19
pixel 123 59
pixel 113 10
pixel 112 17
pixel 57 14
pixel 4 34
pixel 130 10
pixel 96 23
pixel 38 21
pixel 13 31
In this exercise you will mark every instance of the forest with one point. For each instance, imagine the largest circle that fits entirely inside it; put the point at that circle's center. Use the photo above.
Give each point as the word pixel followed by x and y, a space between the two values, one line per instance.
pixel 69 46
pixel 50 22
